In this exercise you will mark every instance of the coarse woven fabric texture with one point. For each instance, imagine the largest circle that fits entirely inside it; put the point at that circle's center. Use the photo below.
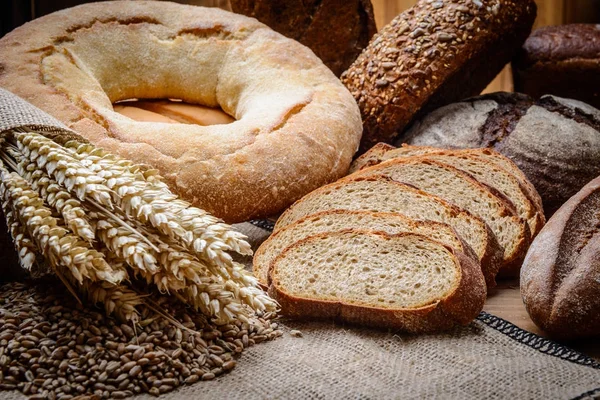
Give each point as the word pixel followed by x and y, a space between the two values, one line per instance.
pixel 489 359
pixel 17 113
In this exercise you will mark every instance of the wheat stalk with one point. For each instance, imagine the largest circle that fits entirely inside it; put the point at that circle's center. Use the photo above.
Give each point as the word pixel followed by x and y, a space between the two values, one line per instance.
pixel 149 232
pixel 117 299
pixel 123 243
pixel 52 240
pixel 213 299
pixel 60 164
pixel 173 269
pixel 183 265
pixel 145 196
pixel 55 196
pixel 23 244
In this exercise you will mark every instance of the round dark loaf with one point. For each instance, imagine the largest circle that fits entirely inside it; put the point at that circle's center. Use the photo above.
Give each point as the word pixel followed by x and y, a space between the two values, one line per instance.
pixel 554 141
pixel 433 54
pixel 562 60
pixel 560 277
pixel 336 30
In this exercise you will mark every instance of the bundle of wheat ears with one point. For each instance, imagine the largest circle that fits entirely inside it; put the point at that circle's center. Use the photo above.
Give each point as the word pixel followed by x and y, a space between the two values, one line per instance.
pixel 112 230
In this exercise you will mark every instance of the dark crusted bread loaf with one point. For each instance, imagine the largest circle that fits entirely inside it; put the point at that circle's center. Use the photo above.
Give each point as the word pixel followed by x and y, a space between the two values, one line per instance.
pixel 435 53
pixel 404 282
pixel 560 278
pixel 563 60
pixel 336 30
pixel 554 141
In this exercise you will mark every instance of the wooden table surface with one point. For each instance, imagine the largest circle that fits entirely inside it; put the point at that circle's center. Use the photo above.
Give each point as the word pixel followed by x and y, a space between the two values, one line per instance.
pixel 505 302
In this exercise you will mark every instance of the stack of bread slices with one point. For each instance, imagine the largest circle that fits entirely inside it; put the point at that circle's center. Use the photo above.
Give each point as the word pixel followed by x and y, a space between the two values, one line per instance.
pixel 411 240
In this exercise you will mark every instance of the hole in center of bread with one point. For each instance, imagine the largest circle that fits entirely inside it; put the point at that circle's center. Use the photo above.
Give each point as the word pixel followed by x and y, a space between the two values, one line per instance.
pixel 172 111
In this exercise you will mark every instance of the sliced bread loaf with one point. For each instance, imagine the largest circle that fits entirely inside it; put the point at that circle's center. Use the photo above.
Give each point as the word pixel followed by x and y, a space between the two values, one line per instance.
pixel 337 220
pixel 381 194
pixel 405 282
pixel 461 189
pixel 489 174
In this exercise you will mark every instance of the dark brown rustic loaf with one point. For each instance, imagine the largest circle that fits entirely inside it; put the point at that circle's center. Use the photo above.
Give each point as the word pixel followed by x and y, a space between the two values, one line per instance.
pixel 560 278
pixel 554 141
pixel 336 30
pixel 562 60
pixel 433 54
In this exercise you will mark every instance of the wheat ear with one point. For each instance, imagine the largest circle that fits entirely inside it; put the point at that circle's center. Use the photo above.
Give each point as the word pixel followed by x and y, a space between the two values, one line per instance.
pixel 52 240
pixel 119 300
pixel 23 244
pixel 146 197
pixel 55 196
pixel 60 164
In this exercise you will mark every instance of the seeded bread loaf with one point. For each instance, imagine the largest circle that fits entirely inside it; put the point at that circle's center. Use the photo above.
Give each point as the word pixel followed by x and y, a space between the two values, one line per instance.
pixel 337 220
pixel 457 187
pixel 381 194
pixel 433 54
pixel 479 168
pixel 560 278
pixel 403 282
pixel 554 141
pixel 562 60
pixel 336 30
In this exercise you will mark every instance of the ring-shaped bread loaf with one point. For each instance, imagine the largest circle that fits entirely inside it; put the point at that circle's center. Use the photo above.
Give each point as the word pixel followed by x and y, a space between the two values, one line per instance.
pixel 296 126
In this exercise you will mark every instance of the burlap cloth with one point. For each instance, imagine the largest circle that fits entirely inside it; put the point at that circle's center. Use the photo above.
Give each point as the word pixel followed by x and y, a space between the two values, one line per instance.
pixel 489 359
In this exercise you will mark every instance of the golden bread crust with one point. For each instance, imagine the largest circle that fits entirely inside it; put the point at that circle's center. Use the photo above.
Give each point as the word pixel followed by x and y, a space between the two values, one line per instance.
pixel 296 126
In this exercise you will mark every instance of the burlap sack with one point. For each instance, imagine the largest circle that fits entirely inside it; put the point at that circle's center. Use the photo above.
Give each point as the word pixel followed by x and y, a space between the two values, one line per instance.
pixel 489 359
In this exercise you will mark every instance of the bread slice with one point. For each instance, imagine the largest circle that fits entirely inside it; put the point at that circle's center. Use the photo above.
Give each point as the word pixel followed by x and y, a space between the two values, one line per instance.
pixel 506 163
pixel 405 282
pixel 483 154
pixel 337 220
pixel 382 152
pixel 489 174
pixel 373 156
pixel 462 190
pixel 381 194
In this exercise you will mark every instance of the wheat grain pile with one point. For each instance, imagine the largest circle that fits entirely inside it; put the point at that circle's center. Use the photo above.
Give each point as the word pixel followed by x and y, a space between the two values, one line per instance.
pixel 115 235
pixel 52 347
